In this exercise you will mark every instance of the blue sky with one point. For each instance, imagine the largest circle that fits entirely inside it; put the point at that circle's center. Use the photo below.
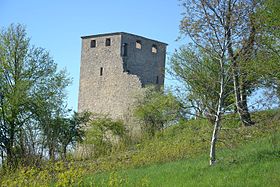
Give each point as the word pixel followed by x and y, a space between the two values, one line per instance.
pixel 57 25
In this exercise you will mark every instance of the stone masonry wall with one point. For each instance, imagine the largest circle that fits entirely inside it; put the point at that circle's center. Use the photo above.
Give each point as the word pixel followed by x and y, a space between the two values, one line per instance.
pixel 111 92
pixel 115 91
pixel 142 62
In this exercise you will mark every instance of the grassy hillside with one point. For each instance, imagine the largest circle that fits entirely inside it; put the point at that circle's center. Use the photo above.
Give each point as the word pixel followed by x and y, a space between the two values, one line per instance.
pixel 177 156
pixel 189 140
pixel 255 164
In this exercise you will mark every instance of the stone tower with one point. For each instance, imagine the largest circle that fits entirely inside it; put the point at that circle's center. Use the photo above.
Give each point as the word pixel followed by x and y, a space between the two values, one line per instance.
pixel 114 68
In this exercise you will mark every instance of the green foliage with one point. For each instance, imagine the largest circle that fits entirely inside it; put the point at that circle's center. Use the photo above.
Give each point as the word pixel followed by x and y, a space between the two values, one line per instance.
pixel 157 110
pixel 267 64
pixel 66 174
pixel 61 174
pixel 103 135
pixel 33 113
pixel 188 140
pixel 269 17
pixel 71 131
pixel 175 156
pixel 200 76
pixel 32 95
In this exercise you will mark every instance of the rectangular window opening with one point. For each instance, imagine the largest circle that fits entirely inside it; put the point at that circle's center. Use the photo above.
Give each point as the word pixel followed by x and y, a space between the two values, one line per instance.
pixel 93 43
pixel 108 42
pixel 124 49
pixel 101 71
pixel 154 49
pixel 157 80
pixel 138 44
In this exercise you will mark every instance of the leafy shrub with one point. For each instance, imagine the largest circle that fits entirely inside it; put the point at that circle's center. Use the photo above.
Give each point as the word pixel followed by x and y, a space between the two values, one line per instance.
pixel 157 110
pixel 59 174
pixel 103 136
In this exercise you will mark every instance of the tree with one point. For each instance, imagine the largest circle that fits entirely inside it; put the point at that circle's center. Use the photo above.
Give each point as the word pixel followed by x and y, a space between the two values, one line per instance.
pixel 71 131
pixel 199 75
pixel 102 135
pixel 209 25
pixel 29 82
pixel 210 19
pixel 207 76
pixel 157 110
pixel 267 60
pixel 228 33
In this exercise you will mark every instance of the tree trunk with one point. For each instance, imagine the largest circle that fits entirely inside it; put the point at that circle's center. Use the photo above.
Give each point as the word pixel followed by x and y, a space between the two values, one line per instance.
pixel 241 98
pixel 51 152
pixel 11 160
pixel 246 55
pixel 2 157
pixel 22 145
pixel 245 116
pixel 218 117
pixel 64 152
pixel 240 87
pixel 214 139
pixel 217 126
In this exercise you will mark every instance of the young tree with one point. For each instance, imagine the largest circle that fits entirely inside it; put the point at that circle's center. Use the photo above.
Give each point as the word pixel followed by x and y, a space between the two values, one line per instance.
pixel 29 81
pixel 227 32
pixel 199 76
pixel 209 25
pixel 72 131
pixel 206 77
pixel 157 110
pixel 102 135
pixel 231 20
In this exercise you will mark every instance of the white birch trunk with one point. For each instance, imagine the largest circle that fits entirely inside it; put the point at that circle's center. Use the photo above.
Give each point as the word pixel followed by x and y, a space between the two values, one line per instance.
pixel 218 117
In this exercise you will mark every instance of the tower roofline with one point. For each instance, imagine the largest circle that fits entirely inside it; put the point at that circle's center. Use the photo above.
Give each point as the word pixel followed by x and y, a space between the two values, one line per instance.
pixel 120 33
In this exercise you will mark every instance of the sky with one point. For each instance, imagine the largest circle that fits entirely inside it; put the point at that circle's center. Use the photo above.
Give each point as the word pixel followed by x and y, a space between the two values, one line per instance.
pixel 57 26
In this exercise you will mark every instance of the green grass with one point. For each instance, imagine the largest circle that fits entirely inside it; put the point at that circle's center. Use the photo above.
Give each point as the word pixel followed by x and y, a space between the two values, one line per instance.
pixel 254 164
pixel 188 140
pixel 177 156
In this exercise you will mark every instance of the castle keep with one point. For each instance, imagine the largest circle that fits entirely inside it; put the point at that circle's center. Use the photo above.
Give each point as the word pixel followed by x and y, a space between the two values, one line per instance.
pixel 114 68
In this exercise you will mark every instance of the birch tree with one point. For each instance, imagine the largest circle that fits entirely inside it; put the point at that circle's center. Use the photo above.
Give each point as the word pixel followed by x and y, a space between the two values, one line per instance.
pixel 231 33
pixel 206 78
pixel 231 20
pixel 199 75
pixel 219 29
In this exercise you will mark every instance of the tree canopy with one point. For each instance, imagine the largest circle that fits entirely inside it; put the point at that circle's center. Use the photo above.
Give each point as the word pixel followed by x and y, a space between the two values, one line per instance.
pixel 32 98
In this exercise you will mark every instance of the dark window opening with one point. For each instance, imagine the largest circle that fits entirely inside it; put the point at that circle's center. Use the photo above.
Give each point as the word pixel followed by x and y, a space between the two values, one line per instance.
pixel 154 49
pixel 93 43
pixel 101 71
pixel 124 49
pixel 108 42
pixel 138 44
pixel 157 81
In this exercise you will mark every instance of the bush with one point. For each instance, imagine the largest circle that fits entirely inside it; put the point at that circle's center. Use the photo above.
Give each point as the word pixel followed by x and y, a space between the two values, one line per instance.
pixel 57 174
pixel 157 110
pixel 103 136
